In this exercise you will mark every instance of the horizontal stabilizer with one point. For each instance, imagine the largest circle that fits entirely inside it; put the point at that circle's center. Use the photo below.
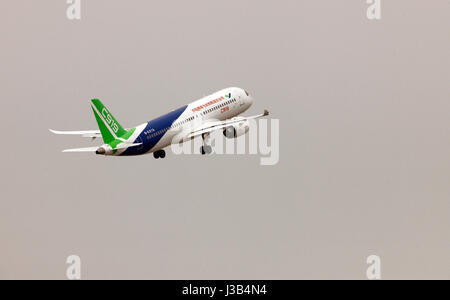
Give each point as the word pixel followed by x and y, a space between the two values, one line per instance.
pixel 102 148
pixel 125 145
pixel 81 132
pixel 88 149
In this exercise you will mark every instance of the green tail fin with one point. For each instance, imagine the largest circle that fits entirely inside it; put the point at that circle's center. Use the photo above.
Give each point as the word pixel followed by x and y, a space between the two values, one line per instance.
pixel 109 127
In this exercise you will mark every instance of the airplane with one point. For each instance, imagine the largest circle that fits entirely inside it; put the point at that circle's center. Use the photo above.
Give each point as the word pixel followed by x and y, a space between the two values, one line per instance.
pixel 218 111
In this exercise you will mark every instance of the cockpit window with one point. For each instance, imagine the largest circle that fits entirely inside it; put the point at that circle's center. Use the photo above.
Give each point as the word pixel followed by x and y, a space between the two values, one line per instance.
pixel 247 93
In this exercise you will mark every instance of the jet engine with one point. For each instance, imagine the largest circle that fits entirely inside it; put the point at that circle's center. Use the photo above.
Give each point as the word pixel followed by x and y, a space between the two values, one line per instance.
pixel 236 130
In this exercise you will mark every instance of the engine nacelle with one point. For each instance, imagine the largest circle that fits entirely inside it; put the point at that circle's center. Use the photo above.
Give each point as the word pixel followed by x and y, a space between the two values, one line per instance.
pixel 236 130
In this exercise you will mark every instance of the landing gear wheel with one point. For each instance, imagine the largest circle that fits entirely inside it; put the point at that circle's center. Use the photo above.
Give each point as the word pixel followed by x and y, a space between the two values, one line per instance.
pixel 205 149
pixel 159 154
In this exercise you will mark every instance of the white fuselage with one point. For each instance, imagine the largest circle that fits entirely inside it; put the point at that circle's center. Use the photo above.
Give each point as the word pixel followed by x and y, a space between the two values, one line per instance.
pixel 174 126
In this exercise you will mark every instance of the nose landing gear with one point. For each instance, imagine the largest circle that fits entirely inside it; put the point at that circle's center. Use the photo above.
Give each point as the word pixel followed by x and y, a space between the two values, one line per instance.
pixel 206 149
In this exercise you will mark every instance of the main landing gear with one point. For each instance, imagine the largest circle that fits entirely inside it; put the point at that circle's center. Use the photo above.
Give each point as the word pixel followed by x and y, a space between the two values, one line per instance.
pixel 205 149
pixel 159 154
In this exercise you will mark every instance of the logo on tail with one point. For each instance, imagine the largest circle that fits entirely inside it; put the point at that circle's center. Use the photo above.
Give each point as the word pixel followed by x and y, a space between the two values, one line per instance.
pixel 109 120
pixel 109 127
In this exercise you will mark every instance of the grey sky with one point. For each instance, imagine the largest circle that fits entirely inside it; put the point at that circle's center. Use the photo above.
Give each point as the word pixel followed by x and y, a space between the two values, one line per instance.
pixel 364 140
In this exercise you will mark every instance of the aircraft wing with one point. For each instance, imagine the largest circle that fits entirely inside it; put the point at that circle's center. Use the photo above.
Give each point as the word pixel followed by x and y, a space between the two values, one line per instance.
pixel 83 133
pixel 209 127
